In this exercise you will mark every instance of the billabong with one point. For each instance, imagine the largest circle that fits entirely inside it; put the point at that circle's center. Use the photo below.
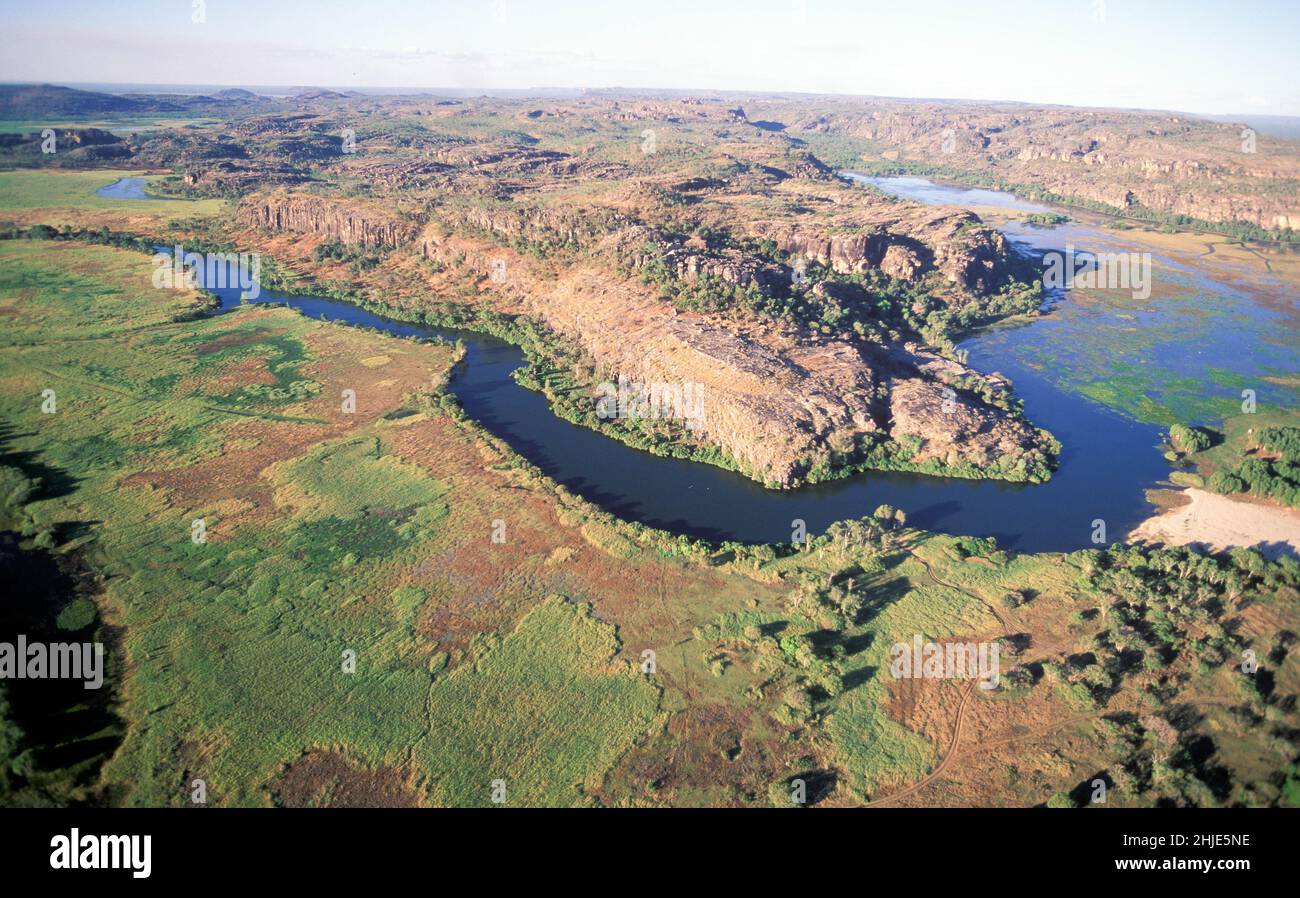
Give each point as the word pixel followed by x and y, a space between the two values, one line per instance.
pixel 1107 271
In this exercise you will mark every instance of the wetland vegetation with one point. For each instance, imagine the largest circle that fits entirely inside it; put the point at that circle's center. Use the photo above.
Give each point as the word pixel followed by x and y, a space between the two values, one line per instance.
pixel 346 545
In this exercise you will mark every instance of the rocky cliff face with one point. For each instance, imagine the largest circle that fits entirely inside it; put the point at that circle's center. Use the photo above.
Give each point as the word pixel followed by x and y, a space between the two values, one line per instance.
pixel 954 243
pixel 1169 163
pixel 778 403
pixel 781 407
pixel 348 221
pixel 552 227
pixel 721 196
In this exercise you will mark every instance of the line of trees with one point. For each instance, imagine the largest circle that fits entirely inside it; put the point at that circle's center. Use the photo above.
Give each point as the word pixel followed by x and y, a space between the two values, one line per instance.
pixel 1274 476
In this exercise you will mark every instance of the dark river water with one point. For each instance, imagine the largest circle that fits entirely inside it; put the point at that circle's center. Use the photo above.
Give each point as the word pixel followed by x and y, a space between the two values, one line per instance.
pixel 1108 459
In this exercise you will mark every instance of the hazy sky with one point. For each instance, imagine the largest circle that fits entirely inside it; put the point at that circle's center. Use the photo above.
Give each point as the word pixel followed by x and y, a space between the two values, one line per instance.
pixel 1210 57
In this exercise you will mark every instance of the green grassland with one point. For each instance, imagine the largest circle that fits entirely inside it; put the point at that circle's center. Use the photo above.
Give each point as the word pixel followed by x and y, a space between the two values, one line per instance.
pixel 87 296
pixel 344 480
pixel 117 124
pixel 330 542
pixel 234 648
pixel 504 715
pixel 48 189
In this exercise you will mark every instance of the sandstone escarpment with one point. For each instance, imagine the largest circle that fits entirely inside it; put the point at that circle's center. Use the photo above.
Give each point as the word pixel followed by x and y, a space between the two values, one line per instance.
pixel 972 257
pixel 783 407
pixel 1178 165
pixel 347 221
pixel 956 244
pixel 616 246
pixel 780 404
pixel 557 226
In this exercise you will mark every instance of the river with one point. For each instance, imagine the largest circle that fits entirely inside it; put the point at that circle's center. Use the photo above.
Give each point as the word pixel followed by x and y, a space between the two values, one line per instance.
pixel 1109 458
pixel 128 189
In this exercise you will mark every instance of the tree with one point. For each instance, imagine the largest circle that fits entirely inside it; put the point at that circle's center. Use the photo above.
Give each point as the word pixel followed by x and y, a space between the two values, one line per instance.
pixel 12 760
pixel 1226 482
pixel 1188 439
pixel 887 515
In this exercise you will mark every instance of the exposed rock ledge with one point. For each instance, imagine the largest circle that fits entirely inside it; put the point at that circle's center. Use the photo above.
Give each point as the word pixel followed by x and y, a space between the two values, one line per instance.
pixel 954 243
pixel 781 407
pixel 777 405
pixel 353 222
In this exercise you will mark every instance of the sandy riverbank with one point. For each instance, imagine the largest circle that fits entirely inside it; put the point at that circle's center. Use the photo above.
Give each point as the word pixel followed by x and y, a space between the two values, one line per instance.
pixel 1220 522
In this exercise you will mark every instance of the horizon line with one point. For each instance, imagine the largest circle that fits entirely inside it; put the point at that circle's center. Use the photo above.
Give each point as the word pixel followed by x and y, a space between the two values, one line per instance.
pixel 538 91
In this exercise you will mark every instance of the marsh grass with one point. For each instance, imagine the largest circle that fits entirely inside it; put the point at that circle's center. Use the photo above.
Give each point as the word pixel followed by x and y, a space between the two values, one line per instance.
pixel 24 189
pixel 234 648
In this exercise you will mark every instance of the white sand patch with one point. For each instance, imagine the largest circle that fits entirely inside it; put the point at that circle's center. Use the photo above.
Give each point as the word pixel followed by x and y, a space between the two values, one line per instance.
pixel 1221 522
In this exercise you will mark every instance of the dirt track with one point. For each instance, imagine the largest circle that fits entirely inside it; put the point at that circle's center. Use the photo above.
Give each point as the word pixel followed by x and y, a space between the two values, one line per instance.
pixel 943 762
pixel 961 709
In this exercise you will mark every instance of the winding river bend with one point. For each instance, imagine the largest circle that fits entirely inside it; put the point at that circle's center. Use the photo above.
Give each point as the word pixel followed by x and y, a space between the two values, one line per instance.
pixel 128 189
pixel 1108 460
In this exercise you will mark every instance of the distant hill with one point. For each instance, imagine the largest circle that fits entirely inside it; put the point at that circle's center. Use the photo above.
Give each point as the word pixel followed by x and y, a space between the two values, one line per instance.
pixel 27 101
pixel 1284 126
pixel 316 93
pixel 47 101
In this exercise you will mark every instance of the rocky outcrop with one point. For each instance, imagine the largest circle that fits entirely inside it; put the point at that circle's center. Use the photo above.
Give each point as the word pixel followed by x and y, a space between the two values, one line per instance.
pixel 226 177
pixel 780 404
pixel 953 428
pixel 508 157
pixel 956 244
pixel 347 221
pixel 639 246
pixel 395 175
pixel 782 408
pixel 74 147
pixel 546 227
pixel 1179 165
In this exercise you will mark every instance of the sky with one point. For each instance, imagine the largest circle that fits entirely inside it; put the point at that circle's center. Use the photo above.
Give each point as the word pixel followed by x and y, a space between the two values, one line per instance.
pixel 1194 56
